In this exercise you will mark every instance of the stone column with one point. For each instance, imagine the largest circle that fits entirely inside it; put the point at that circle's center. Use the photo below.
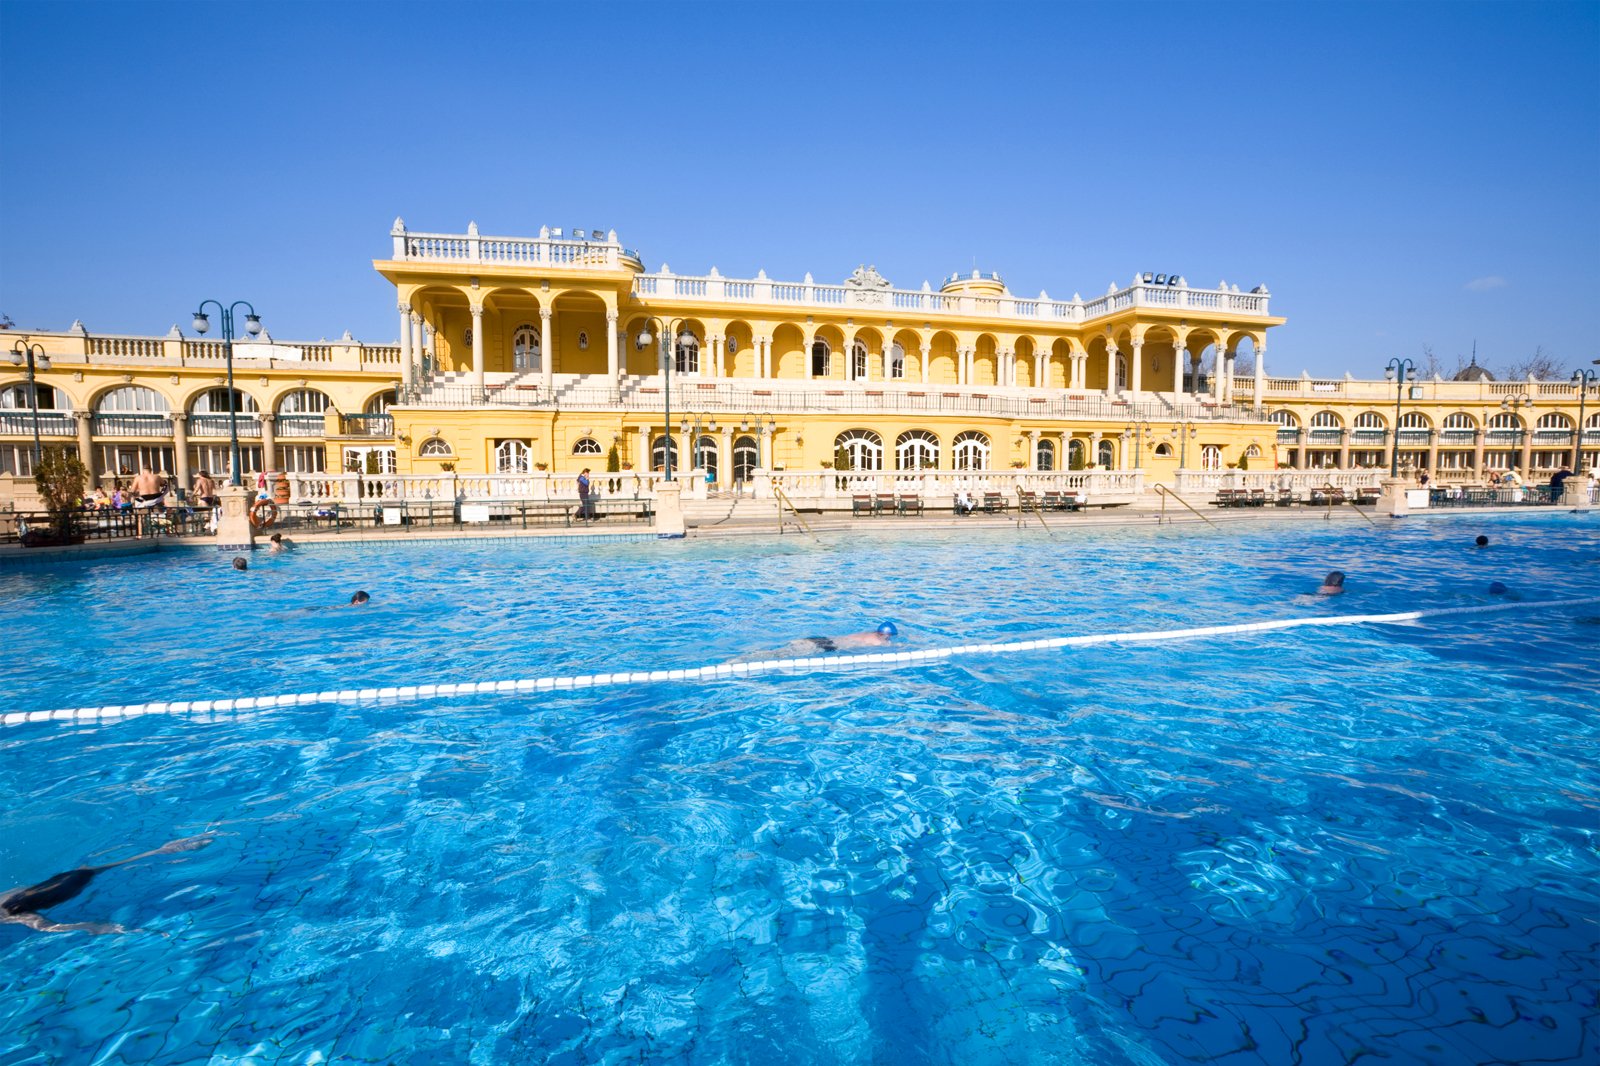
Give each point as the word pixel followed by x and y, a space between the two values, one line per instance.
pixel 1136 372
pixel 642 463
pixel 725 458
pixel 547 353
pixel 1344 449
pixel 1033 449
pixel 1477 455
pixel 1261 374
pixel 927 356
pixel 1527 456
pixel 1093 458
pixel 477 349
pixel 180 452
pixel 1433 453
pixel 1080 364
pixel 269 442
pixel 1041 364
pixel 669 509
pixel 86 443
pixel 1112 384
pixel 613 363
pixel 1179 354
pixel 711 357
pixel 407 371
pixel 416 342
pixel 234 531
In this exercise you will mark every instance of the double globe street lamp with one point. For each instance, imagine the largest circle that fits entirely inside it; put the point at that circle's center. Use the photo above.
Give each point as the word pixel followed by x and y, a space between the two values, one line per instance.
pixel 1583 380
pixel 685 340
pixel 1396 372
pixel 33 356
pixel 252 326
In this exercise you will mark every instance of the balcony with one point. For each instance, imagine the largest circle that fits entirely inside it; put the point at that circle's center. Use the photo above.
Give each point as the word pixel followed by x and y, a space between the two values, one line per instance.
pixel 381 426
pixel 214 425
pixel 300 424
pixel 51 423
pixel 131 425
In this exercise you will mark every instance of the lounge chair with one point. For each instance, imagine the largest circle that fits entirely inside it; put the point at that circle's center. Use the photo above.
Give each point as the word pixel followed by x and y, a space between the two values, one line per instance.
pixel 883 503
pixel 909 504
pixel 994 503
pixel 860 505
pixel 1027 501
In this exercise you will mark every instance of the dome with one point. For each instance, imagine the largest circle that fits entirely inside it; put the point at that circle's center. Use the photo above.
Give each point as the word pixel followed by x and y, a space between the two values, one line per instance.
pixel 977 283
pixel 1473 372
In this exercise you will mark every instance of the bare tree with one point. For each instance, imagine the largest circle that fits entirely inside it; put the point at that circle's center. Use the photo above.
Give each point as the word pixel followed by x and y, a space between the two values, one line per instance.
pixel 1541 364
pixel 1244 365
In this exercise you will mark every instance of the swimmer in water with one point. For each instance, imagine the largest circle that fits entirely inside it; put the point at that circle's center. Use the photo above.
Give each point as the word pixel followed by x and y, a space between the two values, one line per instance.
pixel 809 647
pixel 21 906
pixel 359 598
pixel 1333 584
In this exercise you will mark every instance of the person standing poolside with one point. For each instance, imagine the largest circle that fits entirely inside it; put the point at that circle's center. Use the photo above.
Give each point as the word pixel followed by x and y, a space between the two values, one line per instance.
pixel 585 500
pixel 205 490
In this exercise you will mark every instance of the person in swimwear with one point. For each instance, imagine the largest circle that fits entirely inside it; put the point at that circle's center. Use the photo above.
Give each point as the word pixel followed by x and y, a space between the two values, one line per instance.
pixel 1333 584
pixel 21 906
pixel 807 647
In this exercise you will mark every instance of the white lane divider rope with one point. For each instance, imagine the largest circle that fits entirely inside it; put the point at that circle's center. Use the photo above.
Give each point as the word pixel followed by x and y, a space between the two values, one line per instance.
pixel 722 671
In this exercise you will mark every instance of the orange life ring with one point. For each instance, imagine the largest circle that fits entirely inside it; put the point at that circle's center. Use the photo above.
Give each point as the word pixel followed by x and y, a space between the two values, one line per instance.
pixel 263 513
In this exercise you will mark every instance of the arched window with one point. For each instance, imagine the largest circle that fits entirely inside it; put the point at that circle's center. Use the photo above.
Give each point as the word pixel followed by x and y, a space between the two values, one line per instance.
pixel 1044 456
pixel 513 457
pixel 1505 421
pixel 858 361
pixel 687 360
pixel 1164 451
pixel 525 349
pixel 1285 418
pixel 705 457
pixel 1210 457
pixel 301 413
pixel 858 449
pixel 133 399
pixel 1252 452
pixel 897 362
pixel 1075 452
pixel 583 341
pixel 1414 420
pixel 1460 421
pixel 215 402
pixel 587 446
pixel 434 448
pixel 49 398
pixel 1325 420
pixel 303 402
pixel 1107 455
pixel 660 448
pixel 916 449
pixel 380 404
pixel 1554 420
pixel 746 458
pixel 970 451
pixel 1370 420
pixel 819 359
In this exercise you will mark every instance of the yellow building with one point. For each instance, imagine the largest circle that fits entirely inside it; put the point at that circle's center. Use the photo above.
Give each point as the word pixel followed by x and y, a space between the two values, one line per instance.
pixel 518 355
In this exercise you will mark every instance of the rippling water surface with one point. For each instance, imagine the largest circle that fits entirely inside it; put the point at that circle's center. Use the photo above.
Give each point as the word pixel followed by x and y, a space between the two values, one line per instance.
pixel 1322 845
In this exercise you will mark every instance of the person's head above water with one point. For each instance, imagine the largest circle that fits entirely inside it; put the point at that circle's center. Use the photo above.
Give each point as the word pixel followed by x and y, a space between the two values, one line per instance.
pixel 360 597
pixel 887 629
pixel 241 563
pixel 1497 588
pixel 1482 541
pixel 1333 584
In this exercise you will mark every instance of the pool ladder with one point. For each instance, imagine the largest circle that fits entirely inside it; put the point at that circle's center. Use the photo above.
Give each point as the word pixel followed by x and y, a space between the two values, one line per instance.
pixel 1164 492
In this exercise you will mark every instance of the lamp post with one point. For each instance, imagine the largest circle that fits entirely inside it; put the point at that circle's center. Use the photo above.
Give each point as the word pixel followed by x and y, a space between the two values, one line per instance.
pixel 1396 372
pixel 1139 431
pixel 1184 432
pixel 33 356
pixel 1513 404
pixel 1581 378
pixel 685 338
pixel 252 325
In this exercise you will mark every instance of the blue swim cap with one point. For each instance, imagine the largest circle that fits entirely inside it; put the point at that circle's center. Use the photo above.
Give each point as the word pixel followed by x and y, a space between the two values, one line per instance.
pixel 888 630
pixel 1496 588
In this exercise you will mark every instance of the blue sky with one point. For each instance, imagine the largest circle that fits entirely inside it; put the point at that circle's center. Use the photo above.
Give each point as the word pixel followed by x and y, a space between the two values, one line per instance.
pixel 1400 175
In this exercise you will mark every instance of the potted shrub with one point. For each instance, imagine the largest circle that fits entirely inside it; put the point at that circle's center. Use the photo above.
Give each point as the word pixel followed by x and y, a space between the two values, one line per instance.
pixel 60 479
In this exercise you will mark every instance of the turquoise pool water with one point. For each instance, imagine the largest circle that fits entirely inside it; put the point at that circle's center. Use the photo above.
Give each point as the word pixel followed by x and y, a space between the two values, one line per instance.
pixel 1372 843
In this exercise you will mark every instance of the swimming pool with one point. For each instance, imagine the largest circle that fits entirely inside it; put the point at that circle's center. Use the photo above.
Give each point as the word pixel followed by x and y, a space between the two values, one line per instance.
pixel 1319 845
